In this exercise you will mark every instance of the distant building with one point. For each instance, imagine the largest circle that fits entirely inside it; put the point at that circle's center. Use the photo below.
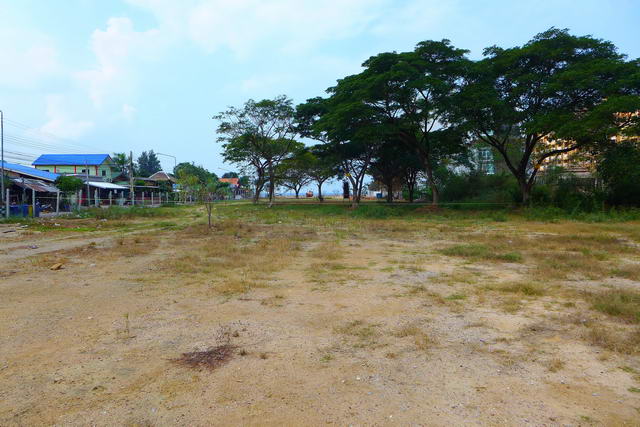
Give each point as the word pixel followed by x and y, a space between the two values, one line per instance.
pixel 163 176
pixel 233 182
pixel 484 160
pixel 238 191
pixel 100 165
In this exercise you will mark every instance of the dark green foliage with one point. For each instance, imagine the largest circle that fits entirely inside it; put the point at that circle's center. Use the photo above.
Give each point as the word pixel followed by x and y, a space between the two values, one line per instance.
pixel 189 169
pixel 557 86
pixel 230 175
pixel 619 168
pixel 148 164
pixel 121 161
pixel 476 187
pixel 68 184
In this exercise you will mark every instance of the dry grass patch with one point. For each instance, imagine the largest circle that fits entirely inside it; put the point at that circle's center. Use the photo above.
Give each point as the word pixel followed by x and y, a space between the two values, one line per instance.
pixel 555 365
pixel 629 271
pixel 47 260
pixel 421 339
pixel 361 334
pixel 617 340
pixel 327 251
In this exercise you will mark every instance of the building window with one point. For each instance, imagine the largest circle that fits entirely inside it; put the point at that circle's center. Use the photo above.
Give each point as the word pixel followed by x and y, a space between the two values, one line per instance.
pixel 84 170
pixel 104 172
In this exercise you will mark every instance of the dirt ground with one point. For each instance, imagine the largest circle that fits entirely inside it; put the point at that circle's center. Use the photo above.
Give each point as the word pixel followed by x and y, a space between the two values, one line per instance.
pixel 358 322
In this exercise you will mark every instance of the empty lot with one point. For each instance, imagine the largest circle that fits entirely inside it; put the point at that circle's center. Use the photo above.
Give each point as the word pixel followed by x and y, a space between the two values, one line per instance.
pixel 330 317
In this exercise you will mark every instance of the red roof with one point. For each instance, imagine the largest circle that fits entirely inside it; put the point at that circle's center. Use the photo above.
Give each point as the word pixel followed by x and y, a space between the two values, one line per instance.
pixel 232 181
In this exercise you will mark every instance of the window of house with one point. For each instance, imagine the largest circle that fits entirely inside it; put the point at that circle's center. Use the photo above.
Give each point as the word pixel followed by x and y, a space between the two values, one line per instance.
pixel 84 170
pixel 104 172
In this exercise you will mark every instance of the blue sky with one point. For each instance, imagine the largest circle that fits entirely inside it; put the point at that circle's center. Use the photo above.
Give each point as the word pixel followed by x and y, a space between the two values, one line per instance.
pixel 109 75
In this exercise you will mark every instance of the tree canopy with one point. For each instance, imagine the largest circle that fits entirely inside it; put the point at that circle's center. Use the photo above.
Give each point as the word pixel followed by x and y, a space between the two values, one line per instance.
pixel 556 87
pixel 259 135
pixel 148 164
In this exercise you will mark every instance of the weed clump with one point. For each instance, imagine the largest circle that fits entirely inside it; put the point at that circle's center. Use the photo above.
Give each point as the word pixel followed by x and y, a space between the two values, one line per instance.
pixel 208 359
pixel 624 304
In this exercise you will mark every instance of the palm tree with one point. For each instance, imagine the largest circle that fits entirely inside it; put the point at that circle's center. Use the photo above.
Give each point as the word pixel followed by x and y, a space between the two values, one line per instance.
pixel 121 161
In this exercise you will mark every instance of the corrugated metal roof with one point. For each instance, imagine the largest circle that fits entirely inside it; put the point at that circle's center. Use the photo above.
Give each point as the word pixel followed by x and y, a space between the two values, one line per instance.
pixel 107 186
pixel 35 184
pixel 70 159
pixel 26 170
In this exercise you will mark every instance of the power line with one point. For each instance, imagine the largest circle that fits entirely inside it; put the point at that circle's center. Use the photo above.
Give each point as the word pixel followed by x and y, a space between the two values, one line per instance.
pixel 27 127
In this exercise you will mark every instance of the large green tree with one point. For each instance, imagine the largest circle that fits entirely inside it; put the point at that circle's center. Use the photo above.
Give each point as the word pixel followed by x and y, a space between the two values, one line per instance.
pixel 413 92
pixel 190 169
pixel 349 129
pixel 396 165
pixel 293 172
pixel 259 135
pixel 555 87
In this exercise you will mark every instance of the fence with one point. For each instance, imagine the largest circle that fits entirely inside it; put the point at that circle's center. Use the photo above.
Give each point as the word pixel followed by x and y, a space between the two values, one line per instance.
pixel 29 202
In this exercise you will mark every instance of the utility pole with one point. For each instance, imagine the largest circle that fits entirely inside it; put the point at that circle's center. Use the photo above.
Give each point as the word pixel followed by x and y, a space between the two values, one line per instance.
pixel 133 200
pixel 86 174
pixel 2 155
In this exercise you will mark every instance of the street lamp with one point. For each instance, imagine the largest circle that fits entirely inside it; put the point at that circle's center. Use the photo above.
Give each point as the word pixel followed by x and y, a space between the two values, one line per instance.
pixel 175 162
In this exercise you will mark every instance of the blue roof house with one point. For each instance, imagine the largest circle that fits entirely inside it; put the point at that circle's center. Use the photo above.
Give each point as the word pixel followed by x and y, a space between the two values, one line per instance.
pixel 100 165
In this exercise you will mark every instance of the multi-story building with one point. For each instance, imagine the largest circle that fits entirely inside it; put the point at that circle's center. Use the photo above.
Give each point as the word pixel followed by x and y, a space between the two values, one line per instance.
pixel 94 165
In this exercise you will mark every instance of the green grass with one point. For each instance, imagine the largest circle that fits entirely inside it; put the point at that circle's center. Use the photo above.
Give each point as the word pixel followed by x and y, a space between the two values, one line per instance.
pixel 624 304
pixel 479 251
pixel 118 212
pixel 525 288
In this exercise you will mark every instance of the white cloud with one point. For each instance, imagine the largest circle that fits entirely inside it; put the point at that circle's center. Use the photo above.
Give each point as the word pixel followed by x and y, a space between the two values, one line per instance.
pixel 118 49
pixel 27 57
pixel 244 26
pixel 60 120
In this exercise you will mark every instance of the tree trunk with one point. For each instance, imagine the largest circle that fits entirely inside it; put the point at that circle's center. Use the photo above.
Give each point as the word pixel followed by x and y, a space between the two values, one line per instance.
pixel 297 193
pixel 410 189
pixel 320 192
pixel 389 192
pixel 209 209
pixel 525 191
pixel 435 193
pixel 259 187
pixel 355 198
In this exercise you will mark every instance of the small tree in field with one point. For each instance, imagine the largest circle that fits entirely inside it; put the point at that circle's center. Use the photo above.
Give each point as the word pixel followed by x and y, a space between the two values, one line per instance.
pixel 210 192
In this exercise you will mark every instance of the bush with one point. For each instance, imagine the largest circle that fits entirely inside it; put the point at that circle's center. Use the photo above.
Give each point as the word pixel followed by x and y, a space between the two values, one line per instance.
pixel 619 167
pixel 68 184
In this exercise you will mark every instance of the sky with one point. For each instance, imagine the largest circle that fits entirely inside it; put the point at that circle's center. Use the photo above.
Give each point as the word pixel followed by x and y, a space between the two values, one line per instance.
pixel 104 76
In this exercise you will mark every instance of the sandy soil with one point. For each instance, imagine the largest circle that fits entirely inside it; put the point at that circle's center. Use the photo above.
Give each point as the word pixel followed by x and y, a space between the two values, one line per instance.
pixel 371 336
